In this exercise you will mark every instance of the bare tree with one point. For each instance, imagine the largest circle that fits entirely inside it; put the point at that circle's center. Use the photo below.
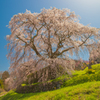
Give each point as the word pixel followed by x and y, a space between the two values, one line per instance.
pixel 47 36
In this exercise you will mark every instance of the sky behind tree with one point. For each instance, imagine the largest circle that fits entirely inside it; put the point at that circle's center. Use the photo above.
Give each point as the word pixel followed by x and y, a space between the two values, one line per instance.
pixel 88 10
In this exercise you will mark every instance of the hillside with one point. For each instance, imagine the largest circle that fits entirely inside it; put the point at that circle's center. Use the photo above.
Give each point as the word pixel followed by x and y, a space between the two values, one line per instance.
pixel 85 91
pixel 84 85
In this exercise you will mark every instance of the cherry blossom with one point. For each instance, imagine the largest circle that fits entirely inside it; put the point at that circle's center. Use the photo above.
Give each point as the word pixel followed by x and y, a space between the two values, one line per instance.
pixel 45 37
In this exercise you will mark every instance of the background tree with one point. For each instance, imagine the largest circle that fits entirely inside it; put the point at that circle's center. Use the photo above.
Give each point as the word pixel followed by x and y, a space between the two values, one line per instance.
pixel 95 55
pixel 1 82
pixel 1 74
pixel 47 38
pixel 5 75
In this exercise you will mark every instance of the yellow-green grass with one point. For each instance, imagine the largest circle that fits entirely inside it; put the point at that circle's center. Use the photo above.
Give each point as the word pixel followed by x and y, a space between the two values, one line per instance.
pixel 77 88
pixel 85 91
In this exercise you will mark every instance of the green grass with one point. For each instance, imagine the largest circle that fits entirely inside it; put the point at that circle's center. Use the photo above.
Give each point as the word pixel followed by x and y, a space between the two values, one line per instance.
pixel 81 86
pixel 86 91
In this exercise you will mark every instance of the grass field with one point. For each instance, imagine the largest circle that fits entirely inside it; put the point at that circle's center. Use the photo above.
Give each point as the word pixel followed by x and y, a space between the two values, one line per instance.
pixel 82 86
pixel 86 91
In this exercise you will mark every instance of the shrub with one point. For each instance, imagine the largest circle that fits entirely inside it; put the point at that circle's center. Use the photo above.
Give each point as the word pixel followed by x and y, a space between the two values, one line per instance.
pixel 96 67
pixel 90 71
pixel 83 78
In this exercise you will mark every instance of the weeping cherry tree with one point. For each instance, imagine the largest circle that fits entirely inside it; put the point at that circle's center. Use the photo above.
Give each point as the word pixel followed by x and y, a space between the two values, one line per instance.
pixel 47 37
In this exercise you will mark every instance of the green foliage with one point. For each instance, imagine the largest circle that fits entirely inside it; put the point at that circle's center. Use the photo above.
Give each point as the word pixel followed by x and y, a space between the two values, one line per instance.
pixel 23 84
pixel 81 72
pixel 1 84
pixel 90 71
pixel 87 77
pixel 96 67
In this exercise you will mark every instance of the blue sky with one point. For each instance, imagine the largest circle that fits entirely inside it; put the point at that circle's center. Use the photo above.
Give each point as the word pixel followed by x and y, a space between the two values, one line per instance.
pixel 89 11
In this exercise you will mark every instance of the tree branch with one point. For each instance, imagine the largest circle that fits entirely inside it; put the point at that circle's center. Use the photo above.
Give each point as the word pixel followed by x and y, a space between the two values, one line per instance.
pixel 73 46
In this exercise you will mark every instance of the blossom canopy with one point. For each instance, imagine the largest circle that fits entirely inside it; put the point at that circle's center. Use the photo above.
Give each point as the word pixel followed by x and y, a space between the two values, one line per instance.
pixel 50 34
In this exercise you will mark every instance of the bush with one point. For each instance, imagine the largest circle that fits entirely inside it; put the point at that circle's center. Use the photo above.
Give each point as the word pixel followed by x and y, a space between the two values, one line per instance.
pixel 90 71
pixel 83 78
pixel 96 67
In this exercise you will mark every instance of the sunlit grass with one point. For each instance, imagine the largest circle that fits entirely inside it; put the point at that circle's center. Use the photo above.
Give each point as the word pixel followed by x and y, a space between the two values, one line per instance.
pixel 86 91
pixel 82 86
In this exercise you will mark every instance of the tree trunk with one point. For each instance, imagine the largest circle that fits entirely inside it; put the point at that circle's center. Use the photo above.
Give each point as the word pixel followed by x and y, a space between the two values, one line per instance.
pixel 89 66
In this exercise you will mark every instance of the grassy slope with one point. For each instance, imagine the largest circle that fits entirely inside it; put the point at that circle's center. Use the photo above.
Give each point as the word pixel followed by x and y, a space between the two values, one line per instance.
pixel 86 91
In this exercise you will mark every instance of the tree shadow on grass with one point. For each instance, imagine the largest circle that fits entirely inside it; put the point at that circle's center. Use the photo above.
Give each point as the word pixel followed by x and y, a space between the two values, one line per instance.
pixel 17 96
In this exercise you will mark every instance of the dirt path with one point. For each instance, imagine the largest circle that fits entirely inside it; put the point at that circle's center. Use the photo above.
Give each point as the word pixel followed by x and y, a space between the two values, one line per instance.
pixel 2 93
